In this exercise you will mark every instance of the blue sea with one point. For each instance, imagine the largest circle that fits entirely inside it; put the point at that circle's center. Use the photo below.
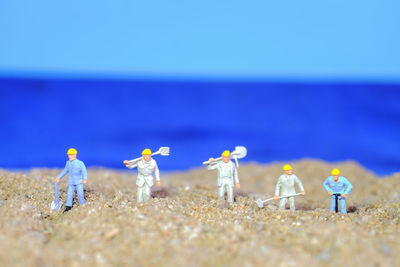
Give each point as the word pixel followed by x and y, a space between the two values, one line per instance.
pixel 109 120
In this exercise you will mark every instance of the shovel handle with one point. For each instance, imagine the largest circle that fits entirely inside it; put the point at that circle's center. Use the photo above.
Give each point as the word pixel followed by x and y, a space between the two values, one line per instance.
pixel 269 199
pixel 137 159
pixel 215 161
pixel 233 155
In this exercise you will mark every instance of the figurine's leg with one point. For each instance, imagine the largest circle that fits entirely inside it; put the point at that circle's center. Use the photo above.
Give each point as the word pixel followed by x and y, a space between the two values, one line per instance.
pixel 229 189
pixel 282 203
pixel 292 204
pixel 343 205
pixel 333 203
pixel 221 192
pixel 70 195
pixel 81 196
pixel 139 194
pixel 146 192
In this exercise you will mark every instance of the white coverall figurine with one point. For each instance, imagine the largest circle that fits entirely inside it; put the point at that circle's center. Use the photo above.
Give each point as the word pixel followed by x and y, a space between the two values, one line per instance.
pixel 146 167
pixel 227 176
pixel 285 186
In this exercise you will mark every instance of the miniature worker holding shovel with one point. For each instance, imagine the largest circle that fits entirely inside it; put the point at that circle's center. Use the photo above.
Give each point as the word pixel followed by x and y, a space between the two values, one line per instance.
pixel 285 186
pixel 77 177
pixel 146 167
pixel 227 175
pixel 338 187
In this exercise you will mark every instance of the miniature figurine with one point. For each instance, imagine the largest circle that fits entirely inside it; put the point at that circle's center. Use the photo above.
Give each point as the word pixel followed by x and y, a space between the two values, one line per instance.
pixel 285 186
pixel 338 187
pixel 146 167
pixel 227 175
pixel 77 177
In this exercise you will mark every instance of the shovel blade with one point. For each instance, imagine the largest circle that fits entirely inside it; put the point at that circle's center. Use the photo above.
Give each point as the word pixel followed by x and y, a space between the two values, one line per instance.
pixel 164 151
pixel 260 203
pixel 56 206
pixel 240 152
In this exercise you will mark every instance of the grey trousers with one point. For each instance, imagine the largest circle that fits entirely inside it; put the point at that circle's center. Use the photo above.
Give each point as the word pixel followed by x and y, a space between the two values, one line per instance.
pixel 229 189
pixel 143 193
pixel 282 203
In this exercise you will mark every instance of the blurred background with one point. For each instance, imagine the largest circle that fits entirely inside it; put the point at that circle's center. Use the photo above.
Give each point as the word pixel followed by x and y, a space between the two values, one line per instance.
pixel 288 80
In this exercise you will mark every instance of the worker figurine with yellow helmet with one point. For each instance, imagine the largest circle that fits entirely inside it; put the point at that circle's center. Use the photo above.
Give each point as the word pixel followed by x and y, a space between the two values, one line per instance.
pixel 285 187
pixel 146 167
pixel 338 187
pixel 227 175
pixel 77 177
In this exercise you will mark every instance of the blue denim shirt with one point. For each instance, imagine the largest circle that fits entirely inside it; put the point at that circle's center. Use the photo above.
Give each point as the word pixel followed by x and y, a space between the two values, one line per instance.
pixel 343 186
pixel 77 172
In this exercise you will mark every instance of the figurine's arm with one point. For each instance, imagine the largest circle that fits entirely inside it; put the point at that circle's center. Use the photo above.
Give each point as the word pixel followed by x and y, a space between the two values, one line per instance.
pixel 130 164
pixel 235 174
pixel 84 173
pixel 326 185
pixel 299 184
pixel 212 166
pixel 278 186
pixel 63 172
pixel 349 186
pixel 156 172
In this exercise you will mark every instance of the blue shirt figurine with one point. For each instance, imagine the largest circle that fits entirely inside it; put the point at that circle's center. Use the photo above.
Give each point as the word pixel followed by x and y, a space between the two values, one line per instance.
pixel 77 177
pixel 338 187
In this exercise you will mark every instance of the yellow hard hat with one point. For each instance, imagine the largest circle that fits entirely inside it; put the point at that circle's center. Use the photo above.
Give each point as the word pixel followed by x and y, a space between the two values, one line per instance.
pixel 287 167
pixel 226 153
pixel 335 172
pixel 146 152
pixel 72 151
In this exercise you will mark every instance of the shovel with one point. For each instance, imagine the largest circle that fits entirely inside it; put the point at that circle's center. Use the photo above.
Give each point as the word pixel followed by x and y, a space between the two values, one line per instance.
pixel 56 204
pixel 163 151
pixel 239 153
pixel 260 202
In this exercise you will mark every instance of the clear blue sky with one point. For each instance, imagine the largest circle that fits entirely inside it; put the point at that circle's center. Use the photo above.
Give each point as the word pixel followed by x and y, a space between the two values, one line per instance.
pixel 357 39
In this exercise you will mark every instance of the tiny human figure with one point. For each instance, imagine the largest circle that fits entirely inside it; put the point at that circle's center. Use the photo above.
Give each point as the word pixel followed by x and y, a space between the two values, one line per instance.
pixel 146 167
pixel 227 175
pixel 285 186
pixel 77 177
pixel 338 187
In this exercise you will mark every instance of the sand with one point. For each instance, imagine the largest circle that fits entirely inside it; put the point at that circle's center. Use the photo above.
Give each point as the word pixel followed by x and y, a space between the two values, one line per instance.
pixel 184 224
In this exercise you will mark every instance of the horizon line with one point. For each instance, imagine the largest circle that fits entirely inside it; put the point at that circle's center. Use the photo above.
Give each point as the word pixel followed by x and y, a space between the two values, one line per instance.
pixel 173 77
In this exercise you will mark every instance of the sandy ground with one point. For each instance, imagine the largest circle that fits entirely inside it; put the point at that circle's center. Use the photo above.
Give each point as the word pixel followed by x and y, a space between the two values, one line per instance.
pixel 184 225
